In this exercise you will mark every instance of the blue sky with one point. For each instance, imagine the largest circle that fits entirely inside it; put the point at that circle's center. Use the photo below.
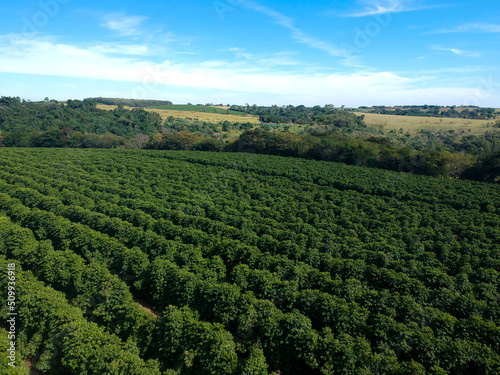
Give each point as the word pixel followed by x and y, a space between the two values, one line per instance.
pixel 365 52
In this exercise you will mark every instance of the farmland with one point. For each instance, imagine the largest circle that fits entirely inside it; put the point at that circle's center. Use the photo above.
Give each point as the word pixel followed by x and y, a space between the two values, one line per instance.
pixel 384 122
pixel 213 117
pixel 198 108
pixel 321 133
pixel 255 264
pixel 412 124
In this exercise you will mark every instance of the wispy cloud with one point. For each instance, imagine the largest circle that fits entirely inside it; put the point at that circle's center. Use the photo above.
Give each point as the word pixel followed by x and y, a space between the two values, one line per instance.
pixel 278 61
pixel 297 34
pixel 349 54
pixel 481 27
pixel 284 58
pixel 376 7
pixel 122 49
pixel 140 38
pixel 455 70
pixel 457 51
pixel 124 25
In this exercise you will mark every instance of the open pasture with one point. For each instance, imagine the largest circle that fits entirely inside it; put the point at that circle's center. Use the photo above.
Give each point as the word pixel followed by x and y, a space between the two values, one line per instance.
pixel 412 124
pixel 201 116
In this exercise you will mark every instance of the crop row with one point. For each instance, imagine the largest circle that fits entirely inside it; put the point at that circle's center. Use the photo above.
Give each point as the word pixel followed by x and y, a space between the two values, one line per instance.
pixel 261 261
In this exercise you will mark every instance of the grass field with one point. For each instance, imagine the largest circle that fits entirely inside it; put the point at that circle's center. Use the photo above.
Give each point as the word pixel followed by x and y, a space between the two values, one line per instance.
pixel 202 116
pixel 199 108
pixel 412 124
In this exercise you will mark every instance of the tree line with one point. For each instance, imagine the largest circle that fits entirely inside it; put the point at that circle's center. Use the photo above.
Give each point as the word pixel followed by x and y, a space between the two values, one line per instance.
pixel 316 115
pixel 368 151
pixel 435 111
pixel 140 103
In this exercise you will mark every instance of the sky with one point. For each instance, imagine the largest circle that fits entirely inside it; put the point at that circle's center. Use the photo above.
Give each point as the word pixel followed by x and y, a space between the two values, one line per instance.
pixel 352 53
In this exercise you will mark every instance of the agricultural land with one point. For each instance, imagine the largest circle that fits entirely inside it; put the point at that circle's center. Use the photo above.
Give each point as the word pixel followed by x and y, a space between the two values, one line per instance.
pixel 183 262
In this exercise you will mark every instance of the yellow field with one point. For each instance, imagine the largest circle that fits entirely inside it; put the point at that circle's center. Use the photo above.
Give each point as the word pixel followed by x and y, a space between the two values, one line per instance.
pixel 411 124
pixel 202 116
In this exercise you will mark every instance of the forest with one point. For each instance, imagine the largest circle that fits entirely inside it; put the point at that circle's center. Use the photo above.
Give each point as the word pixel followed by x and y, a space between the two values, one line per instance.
pixel 184 262
pixel 327 115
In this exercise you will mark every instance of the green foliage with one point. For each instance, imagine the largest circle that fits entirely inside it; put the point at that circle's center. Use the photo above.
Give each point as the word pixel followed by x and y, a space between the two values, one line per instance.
pixel 486 169
pixel 331 135
pixel 355 150
pixel 194 347
pixel 130 102
pixel 194 108
pixel 328 116
pixel 78 124
pixel 64 341
pixel 256 363
pixel 249 264
pixel 434 111
pixel 7 366
pixel 183 140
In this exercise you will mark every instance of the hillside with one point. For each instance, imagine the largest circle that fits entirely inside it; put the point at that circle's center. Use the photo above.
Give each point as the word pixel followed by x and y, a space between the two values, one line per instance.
pixel 414 124
pixel 198 108
pixel 258 264
pixel 179 111
pixel 136 103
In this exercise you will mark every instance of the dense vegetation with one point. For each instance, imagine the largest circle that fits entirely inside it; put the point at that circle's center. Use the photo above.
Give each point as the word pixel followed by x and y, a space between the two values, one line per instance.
pixel 257 264
pixel 327 115
pixel 141 103
pixel 75 123
pixel 420 155
pixel 342 117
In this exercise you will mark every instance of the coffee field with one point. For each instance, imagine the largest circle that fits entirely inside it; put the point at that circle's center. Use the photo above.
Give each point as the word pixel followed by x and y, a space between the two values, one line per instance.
pixel 174 262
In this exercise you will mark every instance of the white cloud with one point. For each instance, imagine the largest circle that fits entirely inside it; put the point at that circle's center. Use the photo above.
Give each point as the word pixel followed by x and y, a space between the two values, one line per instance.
pixel 465 53
pixel 376 7
pixel 353 62
pixel 482 27
pixel 459 70
pixel 278 61
pixel 389 6
pixel 43 56
pixel 124 25
pixel 457 51
pixel 284 58
pixel 243 80
pixel 121 49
